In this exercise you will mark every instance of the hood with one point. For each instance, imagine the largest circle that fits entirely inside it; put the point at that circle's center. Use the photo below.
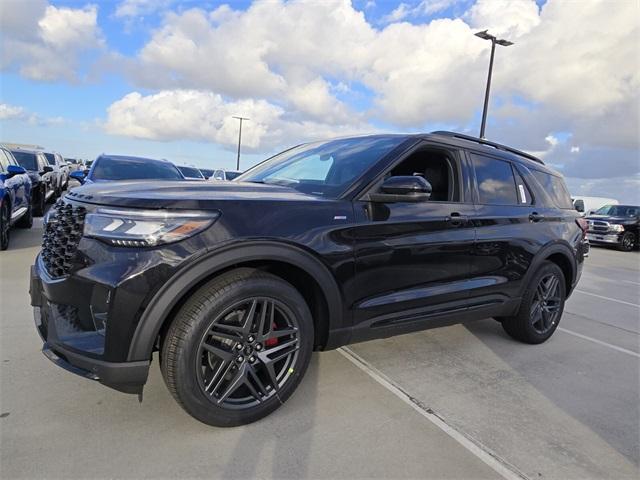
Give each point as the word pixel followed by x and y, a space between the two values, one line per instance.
pixel 610 219
pixel 183 194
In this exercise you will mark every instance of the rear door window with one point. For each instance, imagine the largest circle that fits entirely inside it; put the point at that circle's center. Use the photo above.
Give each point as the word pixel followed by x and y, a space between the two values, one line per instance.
pixel 496 182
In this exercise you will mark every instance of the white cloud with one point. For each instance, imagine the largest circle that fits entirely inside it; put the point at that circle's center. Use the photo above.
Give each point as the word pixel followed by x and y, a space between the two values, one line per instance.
pixel 401 12
pixel 46 43
pixel 195 115
pixel 509 18
pixel 17 113
pixel 137 8
pixel 10 112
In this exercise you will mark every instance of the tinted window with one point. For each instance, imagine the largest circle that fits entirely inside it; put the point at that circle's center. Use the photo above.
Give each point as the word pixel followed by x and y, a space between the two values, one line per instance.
pixel 618 210
pixel 323 168
pixel 190 172
pixel 232 175
pixel 51 158
pixel 133 169
pixel 555 188
pixel 496 184
pixel 524 194
pixel 4 161
pixel 26 160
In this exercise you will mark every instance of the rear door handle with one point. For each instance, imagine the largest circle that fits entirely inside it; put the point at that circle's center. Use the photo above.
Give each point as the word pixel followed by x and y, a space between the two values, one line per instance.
pixel 455 219
pixel 535 217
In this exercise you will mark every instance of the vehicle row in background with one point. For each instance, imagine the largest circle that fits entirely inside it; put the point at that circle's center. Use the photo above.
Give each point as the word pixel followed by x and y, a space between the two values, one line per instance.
pixel 42 175
pixel 15 197
pixel 587 205
pixel 108 168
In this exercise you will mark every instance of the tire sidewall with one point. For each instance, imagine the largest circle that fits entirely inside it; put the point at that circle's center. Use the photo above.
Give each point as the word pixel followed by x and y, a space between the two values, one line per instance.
pixel 189 390
pixel 632 244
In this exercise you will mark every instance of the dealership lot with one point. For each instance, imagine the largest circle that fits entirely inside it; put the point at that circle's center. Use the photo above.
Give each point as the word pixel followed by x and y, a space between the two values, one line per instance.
pixel 564 409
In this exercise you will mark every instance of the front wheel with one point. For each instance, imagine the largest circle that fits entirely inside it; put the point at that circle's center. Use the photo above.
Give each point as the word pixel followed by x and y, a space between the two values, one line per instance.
pixel 5 225
pixel 238 348
pixel 541 308
pixel 38 202
pixel 627 242
pixel 27 219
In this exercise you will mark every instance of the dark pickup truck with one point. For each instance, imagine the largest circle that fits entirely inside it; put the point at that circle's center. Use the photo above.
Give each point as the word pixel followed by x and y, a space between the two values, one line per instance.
pixel 616 225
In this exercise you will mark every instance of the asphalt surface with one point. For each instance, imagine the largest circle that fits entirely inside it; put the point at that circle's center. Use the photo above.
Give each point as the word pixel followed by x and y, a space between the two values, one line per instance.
pixel 405 407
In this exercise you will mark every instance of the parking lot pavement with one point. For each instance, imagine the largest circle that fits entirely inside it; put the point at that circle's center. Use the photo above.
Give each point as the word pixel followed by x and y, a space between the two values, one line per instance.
pixel 564 409
pixel 339 424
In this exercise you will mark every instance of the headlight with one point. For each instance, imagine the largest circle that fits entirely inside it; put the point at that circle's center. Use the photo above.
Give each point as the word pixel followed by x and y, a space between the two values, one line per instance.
pixel 145 228
pixel 617 228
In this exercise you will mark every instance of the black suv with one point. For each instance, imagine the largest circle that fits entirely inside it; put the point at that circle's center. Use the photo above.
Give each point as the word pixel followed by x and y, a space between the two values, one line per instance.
pixel 325 244
pixel 615 225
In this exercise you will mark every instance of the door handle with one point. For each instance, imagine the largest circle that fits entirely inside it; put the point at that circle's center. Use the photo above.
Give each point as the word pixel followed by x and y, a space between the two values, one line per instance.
pixel 455 219
pixel 535 217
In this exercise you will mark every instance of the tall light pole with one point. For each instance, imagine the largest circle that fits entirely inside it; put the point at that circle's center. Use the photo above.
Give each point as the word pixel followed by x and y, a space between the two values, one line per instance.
pixel 505 43
pixel 240 140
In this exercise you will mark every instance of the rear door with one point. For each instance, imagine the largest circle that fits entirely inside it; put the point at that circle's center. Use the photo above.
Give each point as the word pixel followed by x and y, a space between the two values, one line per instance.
pixel 506 223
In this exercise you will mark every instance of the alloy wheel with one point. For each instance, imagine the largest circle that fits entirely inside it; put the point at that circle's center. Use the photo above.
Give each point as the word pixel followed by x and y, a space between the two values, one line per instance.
pixel 248 353
pixel 545 308
pixel 628 242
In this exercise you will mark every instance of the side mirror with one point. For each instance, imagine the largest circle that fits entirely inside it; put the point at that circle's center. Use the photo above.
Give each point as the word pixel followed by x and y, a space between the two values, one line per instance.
pixel 579 204
pixel 47 169
pixel 15 170
pixel 78 175
pixel 403 189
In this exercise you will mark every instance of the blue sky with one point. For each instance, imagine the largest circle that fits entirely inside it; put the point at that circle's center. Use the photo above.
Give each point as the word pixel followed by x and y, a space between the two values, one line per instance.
pixel 163 78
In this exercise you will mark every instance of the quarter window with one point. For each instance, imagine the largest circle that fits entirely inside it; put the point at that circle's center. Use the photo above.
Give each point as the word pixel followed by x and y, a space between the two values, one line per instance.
pixel 496 183
pixel 555 187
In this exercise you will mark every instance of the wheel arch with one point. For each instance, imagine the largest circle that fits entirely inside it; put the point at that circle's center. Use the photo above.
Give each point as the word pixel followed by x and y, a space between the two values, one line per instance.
pixel 295 265
pixel 562 255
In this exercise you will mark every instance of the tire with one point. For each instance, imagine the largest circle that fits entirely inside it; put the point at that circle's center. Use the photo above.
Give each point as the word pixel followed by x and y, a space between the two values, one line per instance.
pixel 535 322
pixel 224 373
pixel 5 225
pixel 52 198
pixel 627 242
pixel 39 204
pixel 27 219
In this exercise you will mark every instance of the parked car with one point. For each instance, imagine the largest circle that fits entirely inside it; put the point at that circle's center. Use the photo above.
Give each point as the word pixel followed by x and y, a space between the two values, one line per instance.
pixel 325 244
pixel 15 197
pixel 109 168
pixel 61 170
pixel 207 172
pixel 74 164
pixel 615 225
pixel 225 174
pixel 588 205
pixel 191 173
pixel 43 178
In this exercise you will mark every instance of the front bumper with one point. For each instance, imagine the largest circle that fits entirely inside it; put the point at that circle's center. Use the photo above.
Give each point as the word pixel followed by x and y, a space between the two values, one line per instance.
pixel 608 238
pixel 79 351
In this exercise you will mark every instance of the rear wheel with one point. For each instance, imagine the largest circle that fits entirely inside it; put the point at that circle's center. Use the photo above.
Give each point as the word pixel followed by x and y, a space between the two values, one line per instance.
pixel 38 202
pixel 27 219
pixel 541 308
pixel 238 348
pixel 5 225
pixel 627 242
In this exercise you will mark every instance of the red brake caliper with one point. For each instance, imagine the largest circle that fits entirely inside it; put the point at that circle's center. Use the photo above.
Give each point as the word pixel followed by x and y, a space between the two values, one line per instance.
pixel 272 342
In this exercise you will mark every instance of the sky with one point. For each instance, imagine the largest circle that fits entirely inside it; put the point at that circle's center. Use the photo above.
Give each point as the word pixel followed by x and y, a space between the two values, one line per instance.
pixel 164 78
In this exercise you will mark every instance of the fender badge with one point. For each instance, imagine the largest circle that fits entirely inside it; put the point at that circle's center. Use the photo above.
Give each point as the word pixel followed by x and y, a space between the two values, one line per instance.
pixel 340 217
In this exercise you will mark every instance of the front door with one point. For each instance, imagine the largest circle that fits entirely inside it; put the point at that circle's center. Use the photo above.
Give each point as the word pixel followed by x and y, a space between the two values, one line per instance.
pixel 413 258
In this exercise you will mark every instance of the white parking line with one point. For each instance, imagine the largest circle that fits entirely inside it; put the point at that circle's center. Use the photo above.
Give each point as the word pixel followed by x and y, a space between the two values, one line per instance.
pixel 607 298
pixel 600 342
pixel 498 464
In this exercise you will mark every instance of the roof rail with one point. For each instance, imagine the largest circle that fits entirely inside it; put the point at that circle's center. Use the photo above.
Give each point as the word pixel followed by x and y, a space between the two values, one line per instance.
pixel 482 141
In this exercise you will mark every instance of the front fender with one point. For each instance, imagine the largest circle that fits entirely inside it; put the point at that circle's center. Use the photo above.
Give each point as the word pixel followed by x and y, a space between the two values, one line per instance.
pixel 172 292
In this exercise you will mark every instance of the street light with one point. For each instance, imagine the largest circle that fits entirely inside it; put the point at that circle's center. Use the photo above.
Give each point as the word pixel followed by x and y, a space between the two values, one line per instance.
pixel 505 43
pixel 240 140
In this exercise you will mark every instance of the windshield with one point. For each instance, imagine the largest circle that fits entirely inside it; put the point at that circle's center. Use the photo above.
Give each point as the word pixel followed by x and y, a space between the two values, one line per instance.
pixel 50 158
pixel 190 172
pixel 133 169
pixel 26 160
pixel 322 168
pixel 618 210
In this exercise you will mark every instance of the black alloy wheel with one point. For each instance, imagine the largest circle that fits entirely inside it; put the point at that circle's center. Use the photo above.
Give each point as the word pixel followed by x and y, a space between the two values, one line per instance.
pixel 237 348
pixel 39 203
pixel 5 225
pixel 248 353
pixel 541 306
pixel 546 305
pixel 26 221
pixel 628 242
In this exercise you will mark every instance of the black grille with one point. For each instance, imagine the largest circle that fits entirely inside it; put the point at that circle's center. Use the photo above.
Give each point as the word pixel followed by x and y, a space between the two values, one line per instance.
pixel 62 234
pixel 599 226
